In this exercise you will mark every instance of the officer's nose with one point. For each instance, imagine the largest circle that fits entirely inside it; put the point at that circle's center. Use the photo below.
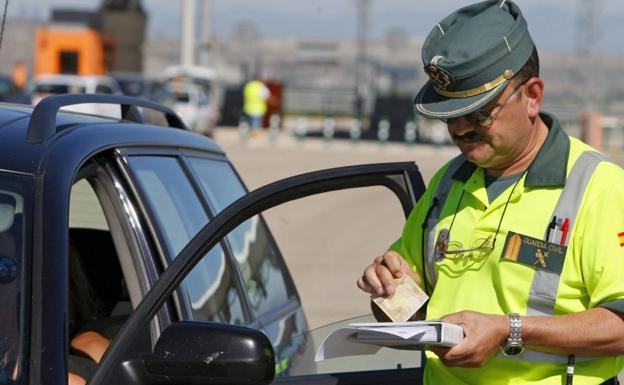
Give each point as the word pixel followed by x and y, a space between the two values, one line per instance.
pixel 460 126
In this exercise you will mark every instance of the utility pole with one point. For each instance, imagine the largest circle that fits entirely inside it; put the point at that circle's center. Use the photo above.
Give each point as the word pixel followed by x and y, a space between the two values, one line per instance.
pixel 589 67
pixel 207 51
pixel 361 78
pixel 187 35
pixel 587 39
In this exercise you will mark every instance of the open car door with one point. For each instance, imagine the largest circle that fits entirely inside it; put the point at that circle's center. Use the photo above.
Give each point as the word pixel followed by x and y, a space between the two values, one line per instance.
pixel 210 353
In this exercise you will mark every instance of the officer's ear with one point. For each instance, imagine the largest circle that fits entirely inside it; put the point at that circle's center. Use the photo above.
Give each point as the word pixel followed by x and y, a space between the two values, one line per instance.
pixel 534 89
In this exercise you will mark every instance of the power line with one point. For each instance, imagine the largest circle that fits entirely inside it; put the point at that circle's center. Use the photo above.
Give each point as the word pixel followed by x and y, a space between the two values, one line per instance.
pixel 4 14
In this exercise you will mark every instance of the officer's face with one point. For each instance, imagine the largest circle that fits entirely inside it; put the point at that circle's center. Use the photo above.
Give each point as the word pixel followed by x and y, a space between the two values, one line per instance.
pixel 498 144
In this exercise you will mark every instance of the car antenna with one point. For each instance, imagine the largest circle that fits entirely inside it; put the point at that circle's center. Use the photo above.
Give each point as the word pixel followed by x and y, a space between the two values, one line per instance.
pixel 6 6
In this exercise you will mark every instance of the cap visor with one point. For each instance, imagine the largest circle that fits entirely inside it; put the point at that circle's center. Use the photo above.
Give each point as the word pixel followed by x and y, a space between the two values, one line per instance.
pixel 430 104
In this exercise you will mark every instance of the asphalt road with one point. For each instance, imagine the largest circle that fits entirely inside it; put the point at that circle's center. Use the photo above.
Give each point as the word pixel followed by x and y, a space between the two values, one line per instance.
pixel 328 240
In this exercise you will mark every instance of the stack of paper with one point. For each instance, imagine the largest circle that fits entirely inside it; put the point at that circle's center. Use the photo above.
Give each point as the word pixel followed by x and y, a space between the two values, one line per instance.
pixel 368 338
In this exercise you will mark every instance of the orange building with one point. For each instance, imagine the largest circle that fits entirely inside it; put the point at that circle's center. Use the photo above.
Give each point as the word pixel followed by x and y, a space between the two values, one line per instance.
pixel 67 50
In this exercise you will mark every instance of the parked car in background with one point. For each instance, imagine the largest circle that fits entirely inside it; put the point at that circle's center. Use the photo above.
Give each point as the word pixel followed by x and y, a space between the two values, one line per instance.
pixel 157 225
pixel 194 107
pixel 45 85
pixel 10 93
pixel 205 77
pixel 136 84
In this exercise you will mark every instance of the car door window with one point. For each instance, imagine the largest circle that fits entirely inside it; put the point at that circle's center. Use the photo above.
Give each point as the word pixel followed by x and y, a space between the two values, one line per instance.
pixel 178 213
pixel 103 89
pixel 261 264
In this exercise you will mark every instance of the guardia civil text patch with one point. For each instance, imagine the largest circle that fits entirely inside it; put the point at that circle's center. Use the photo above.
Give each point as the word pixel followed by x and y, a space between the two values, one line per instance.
pixel 534 252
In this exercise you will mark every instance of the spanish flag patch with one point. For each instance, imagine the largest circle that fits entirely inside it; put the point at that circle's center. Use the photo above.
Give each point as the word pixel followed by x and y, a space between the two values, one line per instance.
pixel 621 238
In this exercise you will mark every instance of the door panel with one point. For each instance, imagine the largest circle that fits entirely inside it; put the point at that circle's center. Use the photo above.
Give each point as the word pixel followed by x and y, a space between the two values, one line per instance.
pixel 403 179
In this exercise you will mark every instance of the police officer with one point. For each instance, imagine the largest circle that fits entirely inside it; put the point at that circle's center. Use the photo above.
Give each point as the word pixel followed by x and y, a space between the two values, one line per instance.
pixel 520 239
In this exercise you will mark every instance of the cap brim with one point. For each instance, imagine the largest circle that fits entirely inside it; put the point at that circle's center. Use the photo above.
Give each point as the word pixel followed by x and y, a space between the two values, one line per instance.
pixel 430 104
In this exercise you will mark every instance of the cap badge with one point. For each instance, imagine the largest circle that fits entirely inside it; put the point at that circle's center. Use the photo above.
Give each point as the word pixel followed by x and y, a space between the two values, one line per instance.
pixel 440 78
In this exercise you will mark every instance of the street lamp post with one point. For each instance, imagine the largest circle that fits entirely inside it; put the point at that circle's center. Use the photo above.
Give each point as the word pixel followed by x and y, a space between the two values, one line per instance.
pixel 187 43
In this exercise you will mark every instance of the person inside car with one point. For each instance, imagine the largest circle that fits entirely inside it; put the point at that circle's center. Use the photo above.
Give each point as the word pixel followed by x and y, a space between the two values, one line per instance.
pixel 88 342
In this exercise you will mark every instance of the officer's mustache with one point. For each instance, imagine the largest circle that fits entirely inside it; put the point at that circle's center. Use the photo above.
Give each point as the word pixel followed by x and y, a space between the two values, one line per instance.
pixel 470 136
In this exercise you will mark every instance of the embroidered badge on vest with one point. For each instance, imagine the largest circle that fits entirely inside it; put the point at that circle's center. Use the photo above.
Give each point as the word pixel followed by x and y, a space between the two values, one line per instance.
pixel 534 252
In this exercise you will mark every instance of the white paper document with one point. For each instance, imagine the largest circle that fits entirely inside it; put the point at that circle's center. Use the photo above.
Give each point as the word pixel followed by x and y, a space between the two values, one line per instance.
pixel 368 338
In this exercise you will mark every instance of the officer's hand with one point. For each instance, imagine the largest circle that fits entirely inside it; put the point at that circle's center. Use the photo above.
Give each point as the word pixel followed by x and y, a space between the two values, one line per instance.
pixel 484 335
pixel 378 278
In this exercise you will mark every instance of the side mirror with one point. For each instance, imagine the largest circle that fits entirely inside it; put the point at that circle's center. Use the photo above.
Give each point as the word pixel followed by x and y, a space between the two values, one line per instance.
pixel 204 353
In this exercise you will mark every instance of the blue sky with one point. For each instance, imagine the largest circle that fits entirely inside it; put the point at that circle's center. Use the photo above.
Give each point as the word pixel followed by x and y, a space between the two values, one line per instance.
pixel 552 22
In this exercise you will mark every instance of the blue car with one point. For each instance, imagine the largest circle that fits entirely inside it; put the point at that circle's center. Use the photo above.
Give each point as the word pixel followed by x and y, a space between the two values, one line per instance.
pixel 146 236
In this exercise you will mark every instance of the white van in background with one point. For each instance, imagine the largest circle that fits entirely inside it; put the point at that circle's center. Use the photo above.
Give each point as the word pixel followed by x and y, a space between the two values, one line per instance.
pixel 45 85
pixel 205 77
pixel 194 107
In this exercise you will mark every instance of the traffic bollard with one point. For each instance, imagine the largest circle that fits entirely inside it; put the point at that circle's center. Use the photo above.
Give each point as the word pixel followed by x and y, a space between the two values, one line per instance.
pixel 329 128
pixel 355 131
pixel 410 132
pixel 243 130
pixel 274 127
pixel 383 131
pixel 301 129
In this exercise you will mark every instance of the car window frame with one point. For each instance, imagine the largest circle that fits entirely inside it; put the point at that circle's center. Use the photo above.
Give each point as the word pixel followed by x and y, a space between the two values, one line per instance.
pixel 253 203
pixel 182 305
pixel 120 209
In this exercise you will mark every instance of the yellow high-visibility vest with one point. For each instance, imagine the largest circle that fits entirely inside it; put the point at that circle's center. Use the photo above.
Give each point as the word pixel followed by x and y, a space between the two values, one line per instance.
pixel 490 281
pixel 255 95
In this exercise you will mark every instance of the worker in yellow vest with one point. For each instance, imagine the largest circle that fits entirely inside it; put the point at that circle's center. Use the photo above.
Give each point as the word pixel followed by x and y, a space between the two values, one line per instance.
pixel 255 95
pixel 520 238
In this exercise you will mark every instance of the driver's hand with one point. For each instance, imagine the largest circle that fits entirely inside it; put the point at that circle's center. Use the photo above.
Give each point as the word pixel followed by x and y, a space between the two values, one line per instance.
pixel 378 278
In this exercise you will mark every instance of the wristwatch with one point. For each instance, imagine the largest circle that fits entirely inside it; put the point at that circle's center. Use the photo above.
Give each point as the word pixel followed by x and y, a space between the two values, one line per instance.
pixel 514 344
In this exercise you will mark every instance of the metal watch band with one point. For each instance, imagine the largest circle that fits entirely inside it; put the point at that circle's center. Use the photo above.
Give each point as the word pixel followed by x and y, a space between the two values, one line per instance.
pixel 515 327
pixel 514 344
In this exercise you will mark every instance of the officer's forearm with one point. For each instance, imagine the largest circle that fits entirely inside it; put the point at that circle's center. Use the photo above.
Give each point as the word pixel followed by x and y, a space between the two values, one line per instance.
pixel 595 332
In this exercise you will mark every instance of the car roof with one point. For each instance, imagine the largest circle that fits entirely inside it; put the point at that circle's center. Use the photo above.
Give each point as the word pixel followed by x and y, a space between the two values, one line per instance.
pixel 79 136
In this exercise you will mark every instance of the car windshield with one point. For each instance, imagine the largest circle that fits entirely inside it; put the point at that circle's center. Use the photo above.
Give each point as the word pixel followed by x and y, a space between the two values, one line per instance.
pixel 181 97
pixel 132 87
pixel 296 357
pixel 14 213
pixel 59 89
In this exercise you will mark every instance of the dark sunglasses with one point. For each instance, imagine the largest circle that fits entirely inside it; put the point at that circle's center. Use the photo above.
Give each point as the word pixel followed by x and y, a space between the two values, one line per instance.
pixel 483 116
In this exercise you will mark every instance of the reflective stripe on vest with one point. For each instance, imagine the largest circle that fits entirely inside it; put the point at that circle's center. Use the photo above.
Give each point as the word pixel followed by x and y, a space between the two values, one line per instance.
pixel 438 201
pixel 545 283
